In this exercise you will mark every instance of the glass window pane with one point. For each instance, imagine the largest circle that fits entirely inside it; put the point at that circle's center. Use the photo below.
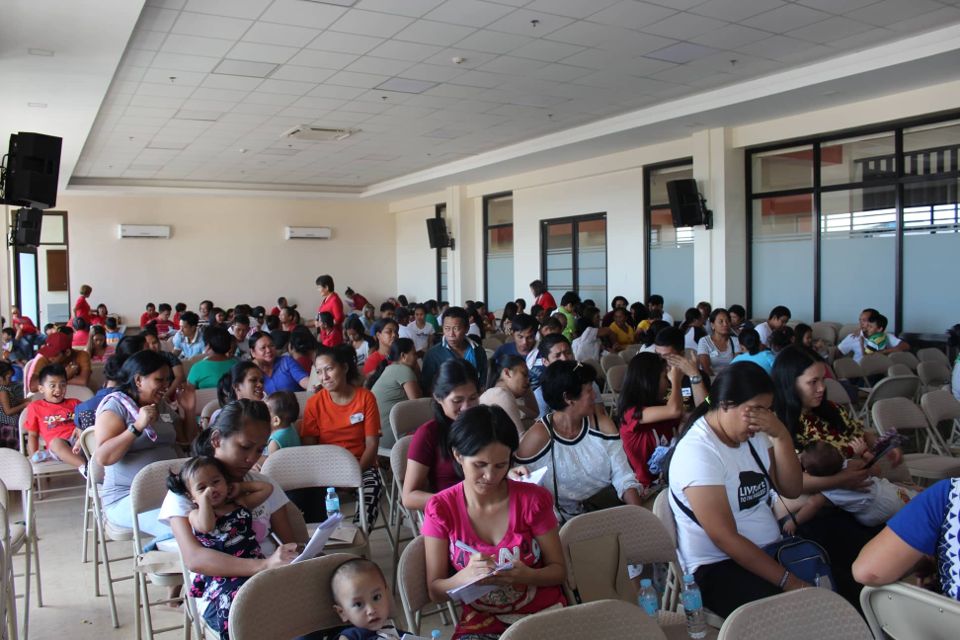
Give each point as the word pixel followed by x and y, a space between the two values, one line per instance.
pixel 860 159
pixel 671 262
pixel 500 211
pixel 52 231
pixel 783 169
pixel 931 149
pixel 783 255
pixel 659 179
pixel 858 266
pixel 592 260
pixel 499 267
pixel 559 255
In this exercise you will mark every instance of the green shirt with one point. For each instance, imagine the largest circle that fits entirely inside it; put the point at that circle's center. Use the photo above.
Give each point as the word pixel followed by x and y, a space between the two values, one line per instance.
pixel 571 323
pixel 207 373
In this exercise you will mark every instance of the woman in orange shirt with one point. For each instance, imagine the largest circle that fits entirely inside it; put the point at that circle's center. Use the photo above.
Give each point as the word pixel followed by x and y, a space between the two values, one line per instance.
pixel 345 414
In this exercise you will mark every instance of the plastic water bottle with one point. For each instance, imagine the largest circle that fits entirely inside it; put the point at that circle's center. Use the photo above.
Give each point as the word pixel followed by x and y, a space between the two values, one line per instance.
pixel 648 599
pixel 435 634
pixel 332 502
pixel 693 608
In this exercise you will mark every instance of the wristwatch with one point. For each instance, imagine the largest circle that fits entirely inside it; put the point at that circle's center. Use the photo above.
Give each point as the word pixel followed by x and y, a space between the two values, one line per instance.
pixel 696 379
pixel 132 428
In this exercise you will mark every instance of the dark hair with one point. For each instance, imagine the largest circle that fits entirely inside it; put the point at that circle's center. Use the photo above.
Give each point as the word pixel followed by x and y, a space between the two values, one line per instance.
pixel 343 355
pixel 690 315
pixel 750 340
pixel 325 281
pixel 510 312
pixel 953 336
pixel 403 314
pixel 521 303
pixel 387 306
pixel 241 318
pixel 654 298
pixel 126 347
pixel 272 322
pixel 226 386
pixel 570 297
pixel 880 320
pixel 402 299
pixel 733 386
pixel 821 459
pixel 476 318
pixel 800 332
pixel 537 287
pixel 230 421
pixel 650 335
pixel 142 363
pixel 790 365
pixel 451 374
pixel 180 307
pixel 80 324
pixel 379 326
pixel 52 371
pixel 613 303
pixel 208 303
pixel 111 323
pixel 639 312
pixel 280 340
pixel 641 385
pixel 738 310
pixel 536 310
pixel 349 570
pixel 507 362
pixel 284 405
pixel 552 323
pixel 779 311
pixel 255 336
pixel 65 330
pixel 780 339
pixel 458 313
pixel 479 427
pixel 10 331
pixel 6 368
pixel 177 482
pixel 670 337
pixel 164 306
pixel 718 312
pixel 150 304
pixel 325 317
pixel 218 339
pixel 548 342
pixel 190 318
pixel 399 347
pixel 302 341
pixel 563 380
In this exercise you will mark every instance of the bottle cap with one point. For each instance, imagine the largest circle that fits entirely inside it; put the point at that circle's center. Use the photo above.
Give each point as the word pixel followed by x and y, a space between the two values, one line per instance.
pixel 687 578
pixel 331 490
pixel 644 583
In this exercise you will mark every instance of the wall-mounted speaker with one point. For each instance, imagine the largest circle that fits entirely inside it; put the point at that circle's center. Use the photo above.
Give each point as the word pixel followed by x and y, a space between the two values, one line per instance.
pixel 33 168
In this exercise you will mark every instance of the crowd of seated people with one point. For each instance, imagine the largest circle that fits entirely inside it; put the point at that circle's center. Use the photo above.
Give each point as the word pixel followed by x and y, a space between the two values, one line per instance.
pixel 730 419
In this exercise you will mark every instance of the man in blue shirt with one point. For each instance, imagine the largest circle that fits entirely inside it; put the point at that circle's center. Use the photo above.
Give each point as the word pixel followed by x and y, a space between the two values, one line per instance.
pixel 455 344
pixel 187 342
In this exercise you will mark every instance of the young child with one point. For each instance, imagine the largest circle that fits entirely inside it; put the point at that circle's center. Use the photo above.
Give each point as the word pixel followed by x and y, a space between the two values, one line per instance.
pixel 113 331
pixel 876 336
pixel 11 404
pixel 875 507
pixel 223 521
pixel 52 419
pixel 284 412
pixel 362 599
pixel 325 327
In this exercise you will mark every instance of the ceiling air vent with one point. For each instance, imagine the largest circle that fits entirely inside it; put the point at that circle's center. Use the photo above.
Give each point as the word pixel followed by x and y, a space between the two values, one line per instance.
pixel 318 134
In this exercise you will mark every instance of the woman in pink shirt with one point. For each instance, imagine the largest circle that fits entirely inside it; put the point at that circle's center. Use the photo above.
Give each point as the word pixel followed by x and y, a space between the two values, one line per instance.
pixel 488 520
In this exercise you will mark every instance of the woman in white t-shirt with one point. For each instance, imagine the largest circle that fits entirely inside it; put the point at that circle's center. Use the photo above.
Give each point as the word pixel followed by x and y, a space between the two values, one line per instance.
pixel 236 439
pixel 721 497
pixel 716 351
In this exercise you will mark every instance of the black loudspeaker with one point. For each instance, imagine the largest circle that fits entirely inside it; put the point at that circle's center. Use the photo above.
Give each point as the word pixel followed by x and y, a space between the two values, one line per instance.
pixel 437 233
pixel 33 167
pixel 27 224
pixel 685 203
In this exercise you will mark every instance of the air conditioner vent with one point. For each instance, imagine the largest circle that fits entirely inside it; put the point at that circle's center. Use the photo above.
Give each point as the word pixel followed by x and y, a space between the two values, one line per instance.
pixel 318 134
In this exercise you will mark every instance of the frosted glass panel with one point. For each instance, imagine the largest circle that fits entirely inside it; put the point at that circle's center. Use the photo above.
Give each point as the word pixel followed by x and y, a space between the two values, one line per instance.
pixel 783 256
pixel 671 276
pixel 592 260
pixel 29 304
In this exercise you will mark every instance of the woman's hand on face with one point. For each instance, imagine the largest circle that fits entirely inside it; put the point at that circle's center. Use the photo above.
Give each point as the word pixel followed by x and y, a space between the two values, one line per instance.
pixel 675 376
pixel 761 419
pixel 679 362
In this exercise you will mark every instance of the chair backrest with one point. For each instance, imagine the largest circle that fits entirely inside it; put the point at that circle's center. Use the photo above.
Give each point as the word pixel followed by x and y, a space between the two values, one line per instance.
pixel 825 331
pixel 663 511
pixel 875 364
pixel 407 415
pixel 610 360
pixel 940 405
pixel 149 486
pixel 899 369
pixel 902 612
pixel 846 330
pixel 491 342
pixel 189 362
pixel 288 601
pixel 905 358
pixel 209 409
pixel 412 581
pixel 932 354
pixel 933 374
pixel 398 460
pixel 611 619
pixel 797 615
pixel 616 376
pixel 79 391
pixel 318 465
pixel 205 396
pixel 642 536
pixel 847 369
pixel 15 470
pixel 596 366
pixel 629 352
pixel 88 443
pixel 898 414
pixel 894 387
pixel 836 393
pixel 97 377
pixel 302 397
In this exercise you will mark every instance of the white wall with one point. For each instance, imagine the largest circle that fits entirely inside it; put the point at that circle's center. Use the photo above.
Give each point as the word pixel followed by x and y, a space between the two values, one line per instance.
pixel 230 250
pixel 416 262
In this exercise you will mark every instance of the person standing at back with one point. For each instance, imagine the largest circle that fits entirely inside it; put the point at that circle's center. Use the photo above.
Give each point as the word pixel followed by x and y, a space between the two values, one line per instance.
pixel 542 297
pixel 331 302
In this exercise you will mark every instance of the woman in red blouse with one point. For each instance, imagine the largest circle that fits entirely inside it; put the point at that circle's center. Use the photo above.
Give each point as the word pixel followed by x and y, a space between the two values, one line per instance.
pixel 331 303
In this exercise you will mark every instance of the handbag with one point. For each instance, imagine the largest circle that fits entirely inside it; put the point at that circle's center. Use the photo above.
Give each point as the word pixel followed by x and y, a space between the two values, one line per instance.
pixel 803 558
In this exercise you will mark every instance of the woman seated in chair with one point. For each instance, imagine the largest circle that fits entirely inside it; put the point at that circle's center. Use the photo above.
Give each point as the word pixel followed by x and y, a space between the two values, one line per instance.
pixel 279 374
pixel 720 495
pixel 429 460
pixel 512 392
pixel 716 351
pixel 396 379
pixel 244 380
pixel 97 344
pixel 487 521
pixel 578 444
pixel 57 350
pixel 178 385
pixel 86 411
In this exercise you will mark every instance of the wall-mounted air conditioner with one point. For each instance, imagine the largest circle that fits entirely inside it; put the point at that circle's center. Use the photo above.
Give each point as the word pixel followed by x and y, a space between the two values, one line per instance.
pixel 144 231
pixel 309 233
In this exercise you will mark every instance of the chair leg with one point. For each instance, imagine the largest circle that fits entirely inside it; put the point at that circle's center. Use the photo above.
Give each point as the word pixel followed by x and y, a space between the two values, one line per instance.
pixel 109 576
pixel 145 603
pixel 96 563
pixel 136 606
pixel 25 633
pixel 36 564
pixel 87 507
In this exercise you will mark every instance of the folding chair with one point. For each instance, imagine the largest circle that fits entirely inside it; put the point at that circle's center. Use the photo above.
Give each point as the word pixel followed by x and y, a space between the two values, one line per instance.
pixel 612 619
pixel 610 360
pixel 491 342
pixel 847 369
pixel 903 612
pixel 875 364
pixel 900 414
pixel 837 394
pixel 899 369
pixel 17 475
pixel 628 352
pixel 615 378
pixel 160 568
pixel 287 601
pixel 78 391
pixel 932 354
pixel 825 331
pixel 904 358
pixel 405 418
pixel 97 377
pixel 398 467
pixel 103 531
pixel 205 396
pixel 934 375
pixel 891 387
pixel 322 465
pixel 48 469
pixel 797 615
pixel 940 406
pixel 8 610
pixel 414 592
pixel 845 330
pixel 207 412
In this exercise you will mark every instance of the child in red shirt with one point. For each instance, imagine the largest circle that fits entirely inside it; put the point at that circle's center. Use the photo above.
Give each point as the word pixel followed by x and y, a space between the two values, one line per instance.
pixel 52 419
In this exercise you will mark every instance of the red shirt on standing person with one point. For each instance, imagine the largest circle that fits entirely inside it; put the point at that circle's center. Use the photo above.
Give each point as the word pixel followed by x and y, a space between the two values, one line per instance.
pixel 333 305
pixel 546 301
pixel 81 309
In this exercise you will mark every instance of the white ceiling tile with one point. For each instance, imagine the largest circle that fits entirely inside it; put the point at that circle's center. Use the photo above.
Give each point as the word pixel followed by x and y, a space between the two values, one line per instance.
pixel 437 33
pixel 301 74
pixel 360 106
pixel 257 109
pixel 512 65
pixel 181 62
pixel 149 40
pixel 370 23
pixel 272 85
pixel 472 13
pixel 156 101
pixel 383 66
pixel 480 79
pixel 469 59
pixel 351 79
pixel 344 42
pixel 154 19
pixel 167 4
pixel 380 96
pixel 633 43
pixel 280 34
pixel 570 8
pixel 632 14
pixel 829 30
pixel 235 8
pixel 406 85
pixel 835 6
pixel 334 91
pixel 411 8
pixel 546 50
pixel 889 12
pixel 684 26
pixel 220 81
pixel 521 23
pixel 323 104
pixel 735 10
pixel 246 68
pixel 194 45
pixel 433 72
pixel 938 18
pixel 322 59
pixel 776 47
pixel 454 91
pixel 593 58
pixel 168 89
pixel 587 34
pixel 493 41
pixel 679 5
pixel 562 72
pixel 199 24
pixel 225 95
pixel 186 78
pixel 811 53
pixel 745 65
pixel 139 58
pixel 303 14
pixel 731 36
pixel 255 52
pixel 277 99
pixel 409 51
pixel 864 39
pixel 681 53
pixel 786 18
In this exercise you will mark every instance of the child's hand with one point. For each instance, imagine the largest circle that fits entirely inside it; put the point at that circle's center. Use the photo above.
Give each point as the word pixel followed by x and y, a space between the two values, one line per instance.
pixel 859 446
pixel 789 527
pixel 76 445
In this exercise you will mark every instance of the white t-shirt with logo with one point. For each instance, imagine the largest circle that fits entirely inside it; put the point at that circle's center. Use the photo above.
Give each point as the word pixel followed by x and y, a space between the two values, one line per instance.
pixel 702 460
pixel 420 337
